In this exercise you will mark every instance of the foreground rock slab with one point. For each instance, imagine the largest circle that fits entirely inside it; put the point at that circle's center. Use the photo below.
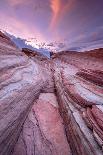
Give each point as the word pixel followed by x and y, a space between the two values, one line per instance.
pixel 43 131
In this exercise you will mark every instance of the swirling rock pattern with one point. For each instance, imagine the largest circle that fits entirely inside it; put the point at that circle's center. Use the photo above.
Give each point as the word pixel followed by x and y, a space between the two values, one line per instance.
pixel 21 81
pixel 79 86
pixel 50 107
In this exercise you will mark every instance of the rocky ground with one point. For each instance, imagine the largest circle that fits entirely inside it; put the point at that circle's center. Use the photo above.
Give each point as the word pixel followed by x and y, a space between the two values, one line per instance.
pixel 50 106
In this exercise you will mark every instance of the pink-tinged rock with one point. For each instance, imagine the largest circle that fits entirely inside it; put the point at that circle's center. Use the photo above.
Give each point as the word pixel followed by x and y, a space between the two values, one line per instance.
pixel 97 131
pixel 21 81
pixel 94 76
pixel 85 91
pixel 82 92
pixel 75 95
pixel 43 132
pixel 33 120
pixel 6 40
pixel 97 112
pixel 79 136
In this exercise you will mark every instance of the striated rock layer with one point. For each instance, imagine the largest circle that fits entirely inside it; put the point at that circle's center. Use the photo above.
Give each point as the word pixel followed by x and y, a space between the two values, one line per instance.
pixel 21 82
pixel 50 107
pixel 79 85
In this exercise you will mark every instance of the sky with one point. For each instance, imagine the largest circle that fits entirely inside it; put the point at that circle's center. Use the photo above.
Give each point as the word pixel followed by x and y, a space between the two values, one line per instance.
pixel 56 24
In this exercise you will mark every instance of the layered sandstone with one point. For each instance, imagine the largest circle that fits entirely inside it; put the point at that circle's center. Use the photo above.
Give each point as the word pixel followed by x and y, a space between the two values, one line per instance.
pixel 21 81
pixel 50 107
pixel 79 85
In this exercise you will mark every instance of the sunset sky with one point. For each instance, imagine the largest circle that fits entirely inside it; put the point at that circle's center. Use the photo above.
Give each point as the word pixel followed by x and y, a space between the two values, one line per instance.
pixel 72 23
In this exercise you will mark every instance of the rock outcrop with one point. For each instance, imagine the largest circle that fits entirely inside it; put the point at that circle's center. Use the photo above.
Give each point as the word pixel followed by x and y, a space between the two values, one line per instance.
pixel 50 107
pixel 32 53
pixel 79 85
pixel 5 40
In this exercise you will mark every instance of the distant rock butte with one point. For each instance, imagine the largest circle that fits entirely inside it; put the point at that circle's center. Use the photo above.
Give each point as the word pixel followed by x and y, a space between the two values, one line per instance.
pixel 50 106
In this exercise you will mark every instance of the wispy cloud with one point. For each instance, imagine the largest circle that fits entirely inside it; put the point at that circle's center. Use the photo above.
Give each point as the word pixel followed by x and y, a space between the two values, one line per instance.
pixel 59 9
pixel 56 7
pixel 69 21
pixel 16 2
pixel 15 26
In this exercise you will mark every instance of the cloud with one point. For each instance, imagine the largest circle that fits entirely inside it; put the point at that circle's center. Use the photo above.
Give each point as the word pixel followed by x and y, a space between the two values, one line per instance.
pixel 56 7
pixel 60 8
pixel 15 26
pixel 77 21
pixel 16 2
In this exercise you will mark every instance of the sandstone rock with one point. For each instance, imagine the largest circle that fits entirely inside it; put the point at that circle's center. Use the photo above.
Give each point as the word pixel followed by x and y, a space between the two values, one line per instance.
pixel 43 132
pixel 79 89
pixel 50 107
pixel 32 53
pixel 6 40
pixel 80 137
pixel 21 82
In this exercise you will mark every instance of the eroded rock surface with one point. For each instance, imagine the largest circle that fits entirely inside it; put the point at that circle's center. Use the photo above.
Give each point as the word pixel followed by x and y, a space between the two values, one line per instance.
pixel 43 131
pixel 78 82
pixel 50 107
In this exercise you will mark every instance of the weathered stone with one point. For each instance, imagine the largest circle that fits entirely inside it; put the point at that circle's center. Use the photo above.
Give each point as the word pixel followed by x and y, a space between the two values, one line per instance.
pixel 50 107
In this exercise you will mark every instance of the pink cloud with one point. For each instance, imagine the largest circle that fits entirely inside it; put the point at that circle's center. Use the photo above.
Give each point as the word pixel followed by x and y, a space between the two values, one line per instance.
pixel 56 7
pixel 18 28
pixel 16 2
pixel 59 9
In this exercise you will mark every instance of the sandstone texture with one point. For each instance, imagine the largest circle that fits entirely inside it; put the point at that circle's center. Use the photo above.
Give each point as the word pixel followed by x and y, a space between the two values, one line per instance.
pixel 50 106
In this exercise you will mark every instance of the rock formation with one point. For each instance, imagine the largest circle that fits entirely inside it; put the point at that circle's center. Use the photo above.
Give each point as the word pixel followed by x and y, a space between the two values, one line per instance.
pixel 50 106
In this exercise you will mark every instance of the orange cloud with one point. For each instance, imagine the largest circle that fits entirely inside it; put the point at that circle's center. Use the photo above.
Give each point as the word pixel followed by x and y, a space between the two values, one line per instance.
pixel 59 8
pixel 55 6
